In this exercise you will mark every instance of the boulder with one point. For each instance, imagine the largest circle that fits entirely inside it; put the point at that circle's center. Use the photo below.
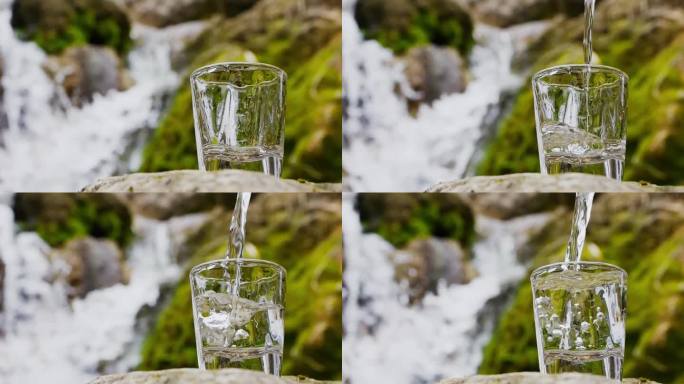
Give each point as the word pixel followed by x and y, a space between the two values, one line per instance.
pixel 424 263
pixel 196 376
pixel 505 206
pixel 86 71
pixel 162 206
pixel 199 181
pixel 93 264
pixel 538 378
pixel 161 13
pixel 536 182
pixel 435 71
pixel 511 12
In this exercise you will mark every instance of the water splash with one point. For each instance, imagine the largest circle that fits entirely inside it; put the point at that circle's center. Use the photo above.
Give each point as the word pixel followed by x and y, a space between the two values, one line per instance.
pixel 387 149
pixel 37 145
pixel 387 341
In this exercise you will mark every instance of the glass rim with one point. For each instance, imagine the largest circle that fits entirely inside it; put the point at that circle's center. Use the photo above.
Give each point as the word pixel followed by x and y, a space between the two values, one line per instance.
pixel 605 266
pixel 226 66
pixel 203 266
pixel 573 67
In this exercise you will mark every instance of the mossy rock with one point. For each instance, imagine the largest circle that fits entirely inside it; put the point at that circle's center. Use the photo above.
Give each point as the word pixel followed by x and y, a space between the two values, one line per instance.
pixel 302 233
pixel 58 218
pixel 400 218
pixel 645 46
pixel 402 24
pixel 57 24
pixel 640 233
pixel 308 48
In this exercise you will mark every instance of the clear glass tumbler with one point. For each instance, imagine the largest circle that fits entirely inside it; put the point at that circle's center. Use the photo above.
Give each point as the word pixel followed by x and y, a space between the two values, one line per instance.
pixel 239 111
pixel 239 325
pixel 580 116
pixel 579 317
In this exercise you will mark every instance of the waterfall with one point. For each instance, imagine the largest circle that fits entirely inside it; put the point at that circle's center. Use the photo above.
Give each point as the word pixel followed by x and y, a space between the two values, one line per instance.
pixel 48 147
pixel 387 341
pixel 49 338
pixel 386 149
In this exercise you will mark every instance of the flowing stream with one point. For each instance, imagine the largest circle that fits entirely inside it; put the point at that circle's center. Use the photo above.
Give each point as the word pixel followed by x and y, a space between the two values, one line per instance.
pixel 45 337
pixel 387 341
pixel 386 149
pixel 37 147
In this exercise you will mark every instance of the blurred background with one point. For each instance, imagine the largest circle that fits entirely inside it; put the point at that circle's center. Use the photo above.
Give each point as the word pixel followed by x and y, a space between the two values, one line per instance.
pixel 438 90
pixel 437 285
pixel 97 284
pixel 93 88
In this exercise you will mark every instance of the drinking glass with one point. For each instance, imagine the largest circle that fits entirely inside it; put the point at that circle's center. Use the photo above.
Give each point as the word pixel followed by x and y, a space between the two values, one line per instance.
pixel 580 117
pixel 239 111
pixel 238 309
pixel 579 318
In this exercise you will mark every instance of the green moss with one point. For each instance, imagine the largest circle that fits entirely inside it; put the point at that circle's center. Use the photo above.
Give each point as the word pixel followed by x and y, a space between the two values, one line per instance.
pixel 308 243
pixel 400 218
pixel 56 24
pixel 643 239
pixel 402 24
pixel 58 218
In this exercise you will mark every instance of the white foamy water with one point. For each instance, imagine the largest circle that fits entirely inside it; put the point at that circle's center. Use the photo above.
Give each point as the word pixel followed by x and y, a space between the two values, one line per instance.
pixel 387 341
pixel 48 338
pixel 52 147
pixel 386 149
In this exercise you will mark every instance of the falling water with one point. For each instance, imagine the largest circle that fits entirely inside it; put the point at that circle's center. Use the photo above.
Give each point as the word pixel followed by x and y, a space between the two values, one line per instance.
pixel 237 235
pixel 589 6
pixel 580 221
pixel 47 337
pixel 37 143
pixel 387 149
pixel 388 341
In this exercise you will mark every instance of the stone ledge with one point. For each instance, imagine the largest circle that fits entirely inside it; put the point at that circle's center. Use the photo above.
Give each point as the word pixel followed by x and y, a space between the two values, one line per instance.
pixel 196 376
pixel 538 378
pixel 199 181
pixel 536 182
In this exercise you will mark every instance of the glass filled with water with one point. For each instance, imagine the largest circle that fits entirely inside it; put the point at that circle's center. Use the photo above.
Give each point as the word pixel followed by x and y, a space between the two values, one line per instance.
pixel 579 317
pixel 238 309
pixel 239 111
pixel 580 116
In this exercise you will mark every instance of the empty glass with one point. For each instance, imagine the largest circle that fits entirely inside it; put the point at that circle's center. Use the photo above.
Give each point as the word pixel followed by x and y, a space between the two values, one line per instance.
pixel 239 111
pixel 239 325
pixel 579 317
pixel 580 116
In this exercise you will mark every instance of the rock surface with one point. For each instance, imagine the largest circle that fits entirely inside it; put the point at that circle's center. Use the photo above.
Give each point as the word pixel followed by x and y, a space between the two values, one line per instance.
pixel 535 182
pixel 435 71
pixel 93 264
pixel 86 71
pixel 192 376
pixel 538 378
pixel 198 181
pixel 426 262
pixel 510 12
pixel 160 13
